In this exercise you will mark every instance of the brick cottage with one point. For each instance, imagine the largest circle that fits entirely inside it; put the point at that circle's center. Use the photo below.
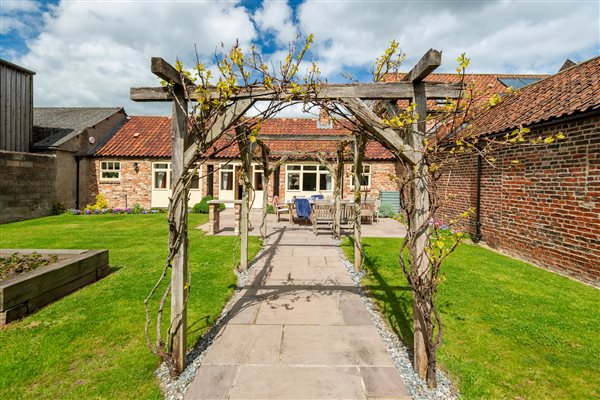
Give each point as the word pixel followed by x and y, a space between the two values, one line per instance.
pixel 134 165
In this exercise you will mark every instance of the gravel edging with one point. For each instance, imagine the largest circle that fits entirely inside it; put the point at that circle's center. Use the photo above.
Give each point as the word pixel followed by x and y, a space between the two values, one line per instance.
pixel 175 388
pixel 401 355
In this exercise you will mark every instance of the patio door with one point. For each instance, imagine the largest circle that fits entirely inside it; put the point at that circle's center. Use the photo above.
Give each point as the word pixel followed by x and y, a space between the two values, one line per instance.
pixel 227 182
pixel 230 184
pixel 256 197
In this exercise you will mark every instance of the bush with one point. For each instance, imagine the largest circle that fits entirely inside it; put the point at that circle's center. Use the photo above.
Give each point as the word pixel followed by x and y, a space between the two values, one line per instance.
pixel 100 204
pixel 202 207
pixel 270 209
pixel 58 209
pixel 137 209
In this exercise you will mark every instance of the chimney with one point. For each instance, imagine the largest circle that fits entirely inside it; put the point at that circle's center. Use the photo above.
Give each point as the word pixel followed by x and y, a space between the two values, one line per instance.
pixel 324 121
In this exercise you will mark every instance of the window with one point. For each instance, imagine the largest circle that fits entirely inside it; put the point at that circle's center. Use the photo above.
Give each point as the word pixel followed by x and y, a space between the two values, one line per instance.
pixel 258 178
pixel 366 177
pixel 110 170
pixel 308 178
pixel 226 177
pixel 161 176
pixel 293 177
pixel 325 181
pixel 195 185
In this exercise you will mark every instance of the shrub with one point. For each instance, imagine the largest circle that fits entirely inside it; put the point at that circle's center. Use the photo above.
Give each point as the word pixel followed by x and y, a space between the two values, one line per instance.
pixel 58 209
pixel 99 205
pixel 386 211
pixel 137 209
pixel 202 207
pixel 270 209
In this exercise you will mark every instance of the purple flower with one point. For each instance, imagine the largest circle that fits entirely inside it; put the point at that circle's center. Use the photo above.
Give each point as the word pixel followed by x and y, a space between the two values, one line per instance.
pixel 87 212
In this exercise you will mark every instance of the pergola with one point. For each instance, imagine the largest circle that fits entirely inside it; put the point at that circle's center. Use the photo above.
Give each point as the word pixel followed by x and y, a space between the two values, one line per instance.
pixel 410 148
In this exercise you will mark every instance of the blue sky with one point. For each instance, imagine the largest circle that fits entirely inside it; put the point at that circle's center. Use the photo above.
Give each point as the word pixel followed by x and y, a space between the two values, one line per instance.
pixel 89 53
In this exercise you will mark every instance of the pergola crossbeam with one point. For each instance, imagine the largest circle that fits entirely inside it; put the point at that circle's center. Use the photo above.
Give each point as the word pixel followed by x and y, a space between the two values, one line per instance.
pixel 306 138
pixel 425 66
pixel 365 91
pixel 374 125
pixel 166 71
pixel 222 124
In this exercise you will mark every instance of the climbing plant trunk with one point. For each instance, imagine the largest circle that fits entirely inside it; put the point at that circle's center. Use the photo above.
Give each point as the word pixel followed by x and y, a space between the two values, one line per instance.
pixel 266 174
pixel 337 190
pixel 422 324
pixel 359 151
pixel 246 156
pixel 179 235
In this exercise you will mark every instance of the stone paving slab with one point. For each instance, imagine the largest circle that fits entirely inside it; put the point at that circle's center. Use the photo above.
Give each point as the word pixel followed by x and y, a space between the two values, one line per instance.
pixel 333 345
pixel 298 331
pixel 297 383
pixel 246 344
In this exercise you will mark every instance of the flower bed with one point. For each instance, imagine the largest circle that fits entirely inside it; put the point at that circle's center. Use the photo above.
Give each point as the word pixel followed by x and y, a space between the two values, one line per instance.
pixel 126 210
pixel 20 263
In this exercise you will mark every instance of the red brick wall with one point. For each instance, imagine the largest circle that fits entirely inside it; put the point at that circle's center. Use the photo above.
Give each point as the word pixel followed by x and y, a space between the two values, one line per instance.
pixel 547 208
pixel 133 187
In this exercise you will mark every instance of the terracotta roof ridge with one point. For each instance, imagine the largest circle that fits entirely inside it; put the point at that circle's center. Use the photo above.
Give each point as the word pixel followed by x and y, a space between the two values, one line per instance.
pixel 558 74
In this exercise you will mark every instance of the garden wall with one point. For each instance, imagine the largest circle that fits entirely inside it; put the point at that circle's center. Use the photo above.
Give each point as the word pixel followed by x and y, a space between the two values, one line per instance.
pixel 546 209
pixel 27 187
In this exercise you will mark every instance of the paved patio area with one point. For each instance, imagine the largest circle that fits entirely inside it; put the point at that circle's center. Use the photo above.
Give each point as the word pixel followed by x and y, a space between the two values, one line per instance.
pixel 300 331
pixel 385 227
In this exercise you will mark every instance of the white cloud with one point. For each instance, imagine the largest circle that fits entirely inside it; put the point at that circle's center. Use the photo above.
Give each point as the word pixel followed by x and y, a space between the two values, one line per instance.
pixel 276 17
pixel 11 6
pixel 498 36
pixel 90 53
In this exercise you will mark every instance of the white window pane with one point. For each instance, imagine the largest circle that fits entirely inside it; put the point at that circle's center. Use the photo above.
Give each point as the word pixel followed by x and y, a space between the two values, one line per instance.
pixel 293 181
pixel 325 182
pixel 309 182
pixel 226 180
pixel 160 179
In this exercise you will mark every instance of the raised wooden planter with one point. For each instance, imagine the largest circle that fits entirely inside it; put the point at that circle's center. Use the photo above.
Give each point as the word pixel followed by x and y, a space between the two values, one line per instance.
pixel 24 293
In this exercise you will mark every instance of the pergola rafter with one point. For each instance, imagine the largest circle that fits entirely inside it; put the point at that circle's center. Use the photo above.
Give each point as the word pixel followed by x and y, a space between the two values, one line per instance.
pixel 409 148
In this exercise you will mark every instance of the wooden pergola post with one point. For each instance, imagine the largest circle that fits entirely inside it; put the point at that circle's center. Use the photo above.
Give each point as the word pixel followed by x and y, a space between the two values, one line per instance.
pixel 359 152
pixel 420 198
pixel 337 191
pixel 266 175
pixel 245 148
pixel 179 273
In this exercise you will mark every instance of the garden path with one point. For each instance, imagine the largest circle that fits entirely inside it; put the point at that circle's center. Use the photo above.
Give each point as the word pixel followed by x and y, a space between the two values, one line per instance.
pixel 299 331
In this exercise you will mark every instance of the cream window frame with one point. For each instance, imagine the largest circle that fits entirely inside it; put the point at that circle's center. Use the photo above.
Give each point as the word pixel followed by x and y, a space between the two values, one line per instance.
pixel 104 169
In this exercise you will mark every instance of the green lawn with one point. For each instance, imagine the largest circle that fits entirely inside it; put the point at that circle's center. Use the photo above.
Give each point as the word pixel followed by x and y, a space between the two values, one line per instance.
pixel 512 331
pixel 91 343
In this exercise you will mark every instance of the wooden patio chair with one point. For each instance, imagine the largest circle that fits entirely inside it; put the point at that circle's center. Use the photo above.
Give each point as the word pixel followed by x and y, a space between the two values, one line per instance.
pixel 367 210
pixel 346 215
pixel 322 214
pixel 280 208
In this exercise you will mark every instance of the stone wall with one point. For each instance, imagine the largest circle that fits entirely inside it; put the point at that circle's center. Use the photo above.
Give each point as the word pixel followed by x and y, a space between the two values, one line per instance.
pixel 546 209
pixel 27 187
